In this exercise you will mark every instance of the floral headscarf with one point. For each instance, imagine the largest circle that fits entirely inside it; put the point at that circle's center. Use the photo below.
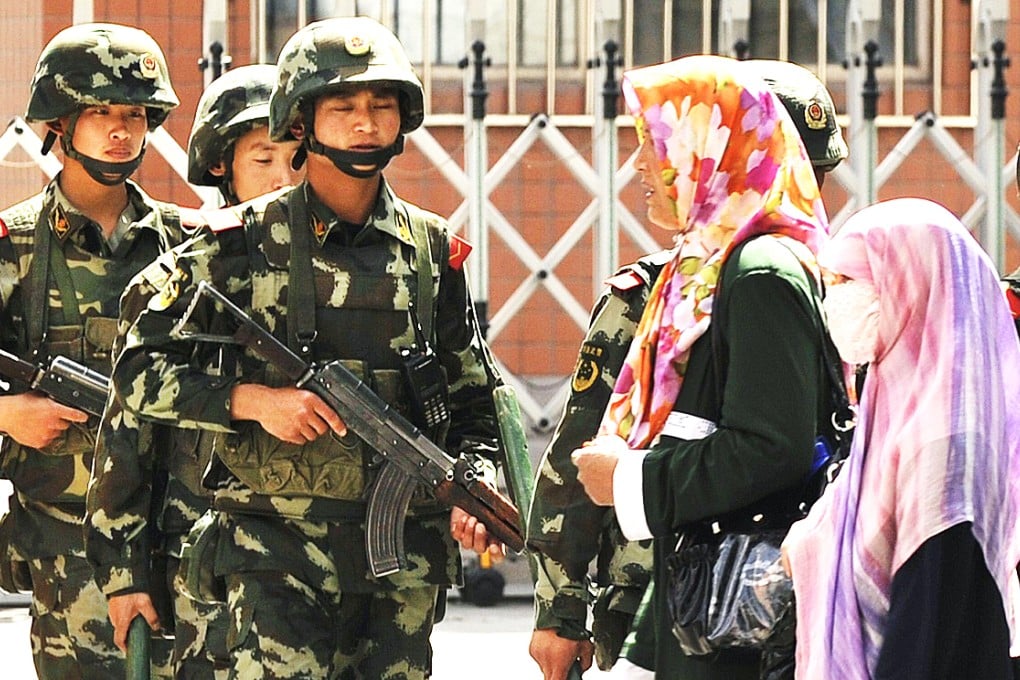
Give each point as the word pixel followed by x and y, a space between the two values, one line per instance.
pixel 937 441
pixel 735 168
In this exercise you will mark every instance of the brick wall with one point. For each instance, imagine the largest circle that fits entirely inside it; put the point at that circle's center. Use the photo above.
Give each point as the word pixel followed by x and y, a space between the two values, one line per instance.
pixel 540 193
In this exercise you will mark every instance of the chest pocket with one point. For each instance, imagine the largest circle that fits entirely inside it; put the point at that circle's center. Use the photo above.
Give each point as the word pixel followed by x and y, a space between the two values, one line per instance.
pixel 328 467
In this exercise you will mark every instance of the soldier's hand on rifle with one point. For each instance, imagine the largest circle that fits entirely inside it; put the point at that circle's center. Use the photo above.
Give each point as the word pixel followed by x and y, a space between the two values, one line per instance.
pixel 123 609
pixel 472 535
pixel 555 655
pixel 34 420
pixel 290 414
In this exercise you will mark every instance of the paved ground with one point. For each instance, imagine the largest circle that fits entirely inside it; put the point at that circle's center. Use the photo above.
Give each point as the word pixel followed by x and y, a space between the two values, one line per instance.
pixel 473 642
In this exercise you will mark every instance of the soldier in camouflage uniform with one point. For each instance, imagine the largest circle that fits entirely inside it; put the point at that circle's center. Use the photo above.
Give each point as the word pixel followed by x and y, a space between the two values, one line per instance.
pixel 566 531
pixel 66 255
pixel 337 268
pixel 229 148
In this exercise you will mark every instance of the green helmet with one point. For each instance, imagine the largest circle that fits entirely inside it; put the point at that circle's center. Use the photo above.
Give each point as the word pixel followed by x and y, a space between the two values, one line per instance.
pixel 233 104
pixel 101 64
pixel 810 105
pixel 327 54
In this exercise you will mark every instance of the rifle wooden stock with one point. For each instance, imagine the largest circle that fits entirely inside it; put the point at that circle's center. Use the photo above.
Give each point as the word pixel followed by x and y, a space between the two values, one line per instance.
pixel 411 457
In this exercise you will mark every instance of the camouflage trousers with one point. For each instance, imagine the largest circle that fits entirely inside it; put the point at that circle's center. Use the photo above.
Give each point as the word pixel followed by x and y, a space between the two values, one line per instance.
pixel 293 621
pixel 72 637
pixel 200 636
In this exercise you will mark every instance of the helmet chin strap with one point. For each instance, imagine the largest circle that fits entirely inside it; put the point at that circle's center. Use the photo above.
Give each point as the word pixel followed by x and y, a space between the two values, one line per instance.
pixel 346 160
pixel 104 172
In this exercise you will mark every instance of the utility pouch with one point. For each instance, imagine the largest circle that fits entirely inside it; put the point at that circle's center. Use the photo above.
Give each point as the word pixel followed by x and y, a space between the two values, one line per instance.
pixel 196 577
pixel 14 573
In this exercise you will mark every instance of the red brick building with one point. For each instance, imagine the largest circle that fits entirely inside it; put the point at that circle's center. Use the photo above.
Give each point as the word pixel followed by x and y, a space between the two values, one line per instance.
pixel 540 197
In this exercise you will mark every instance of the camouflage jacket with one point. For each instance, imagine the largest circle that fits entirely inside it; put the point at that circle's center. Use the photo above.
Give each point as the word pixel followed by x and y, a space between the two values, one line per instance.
pixel 164 381
pixel 51 483
pixel 566 531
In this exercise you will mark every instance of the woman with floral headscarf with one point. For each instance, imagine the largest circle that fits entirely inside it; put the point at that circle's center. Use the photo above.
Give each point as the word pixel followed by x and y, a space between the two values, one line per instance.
pixel 716 406
pixel 906 566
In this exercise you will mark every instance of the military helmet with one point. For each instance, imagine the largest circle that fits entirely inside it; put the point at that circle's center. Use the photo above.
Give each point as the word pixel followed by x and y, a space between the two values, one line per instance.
pixel 325 55
pixel 810 105
pixel 233 104
pixel 101 64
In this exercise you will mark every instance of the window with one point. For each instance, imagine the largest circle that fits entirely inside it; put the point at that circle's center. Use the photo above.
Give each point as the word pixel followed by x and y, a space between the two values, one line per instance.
pixel 531 19
pixel 651 44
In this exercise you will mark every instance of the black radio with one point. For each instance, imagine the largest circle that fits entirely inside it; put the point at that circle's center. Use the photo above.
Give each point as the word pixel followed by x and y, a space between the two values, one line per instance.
pixel 426 386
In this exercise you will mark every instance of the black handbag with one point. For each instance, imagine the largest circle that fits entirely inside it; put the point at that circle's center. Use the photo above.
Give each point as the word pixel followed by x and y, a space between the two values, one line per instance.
pixel 728 591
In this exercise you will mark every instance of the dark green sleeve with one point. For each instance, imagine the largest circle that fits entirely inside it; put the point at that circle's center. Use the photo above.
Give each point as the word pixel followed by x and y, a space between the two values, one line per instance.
pixel 765 433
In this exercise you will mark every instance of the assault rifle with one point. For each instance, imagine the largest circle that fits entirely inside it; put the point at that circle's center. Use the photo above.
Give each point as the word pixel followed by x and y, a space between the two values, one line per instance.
pixel 65 381
pixel 411 458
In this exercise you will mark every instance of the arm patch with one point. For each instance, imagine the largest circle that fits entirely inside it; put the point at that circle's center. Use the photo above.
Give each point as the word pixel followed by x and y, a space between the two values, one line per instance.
pixel 459 250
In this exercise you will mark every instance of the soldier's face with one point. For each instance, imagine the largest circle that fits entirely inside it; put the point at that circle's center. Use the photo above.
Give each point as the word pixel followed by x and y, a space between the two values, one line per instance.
pixel 365 119
pixel 661 211
pixel 114 133
pixel 261 165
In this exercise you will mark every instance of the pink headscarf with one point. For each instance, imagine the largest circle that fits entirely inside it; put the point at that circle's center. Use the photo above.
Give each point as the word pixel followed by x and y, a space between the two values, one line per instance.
pixel 938 434
pixel 735 167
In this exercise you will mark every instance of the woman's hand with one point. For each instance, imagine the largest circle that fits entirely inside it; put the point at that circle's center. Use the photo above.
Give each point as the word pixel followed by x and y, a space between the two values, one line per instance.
pixel 596 461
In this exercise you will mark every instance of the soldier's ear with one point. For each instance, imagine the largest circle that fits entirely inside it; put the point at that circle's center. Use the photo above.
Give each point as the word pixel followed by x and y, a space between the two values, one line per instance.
pixel 297 128
pixel 218 170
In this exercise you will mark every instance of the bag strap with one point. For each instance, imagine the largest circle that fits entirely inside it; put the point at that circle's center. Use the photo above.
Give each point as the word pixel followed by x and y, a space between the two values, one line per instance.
pixel 841 417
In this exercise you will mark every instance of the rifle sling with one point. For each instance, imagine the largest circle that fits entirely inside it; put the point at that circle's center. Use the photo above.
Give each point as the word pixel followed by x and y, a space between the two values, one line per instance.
pixel 301 278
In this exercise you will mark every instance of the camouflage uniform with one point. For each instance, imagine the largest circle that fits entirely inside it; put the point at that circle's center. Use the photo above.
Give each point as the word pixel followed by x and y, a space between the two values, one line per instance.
pixel 291 554
pixel 70 622
pixel 60 282
pixel 236 102
pixel 565 529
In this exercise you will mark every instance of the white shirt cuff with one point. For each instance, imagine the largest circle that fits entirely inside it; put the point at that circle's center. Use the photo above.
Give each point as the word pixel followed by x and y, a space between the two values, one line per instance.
pixel 628 496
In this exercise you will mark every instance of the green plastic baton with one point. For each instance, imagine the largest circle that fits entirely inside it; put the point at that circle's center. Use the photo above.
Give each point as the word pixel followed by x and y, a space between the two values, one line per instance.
pixel 139 649
pixel 515 447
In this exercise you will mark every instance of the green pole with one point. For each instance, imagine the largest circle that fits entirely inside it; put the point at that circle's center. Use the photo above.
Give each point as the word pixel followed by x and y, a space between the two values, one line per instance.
pixel 139 649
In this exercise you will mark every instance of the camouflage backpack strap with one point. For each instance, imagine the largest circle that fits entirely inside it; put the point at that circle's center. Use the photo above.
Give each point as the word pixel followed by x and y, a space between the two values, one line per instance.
pixel 175 224
pixel 425 298
pixel 46 254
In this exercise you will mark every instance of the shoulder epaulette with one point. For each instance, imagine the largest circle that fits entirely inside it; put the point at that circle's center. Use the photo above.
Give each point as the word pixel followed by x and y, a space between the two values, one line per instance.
pixel 223 219
pixel 625 280
pixel 459 250
pixel 3 229
pixel 191 218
